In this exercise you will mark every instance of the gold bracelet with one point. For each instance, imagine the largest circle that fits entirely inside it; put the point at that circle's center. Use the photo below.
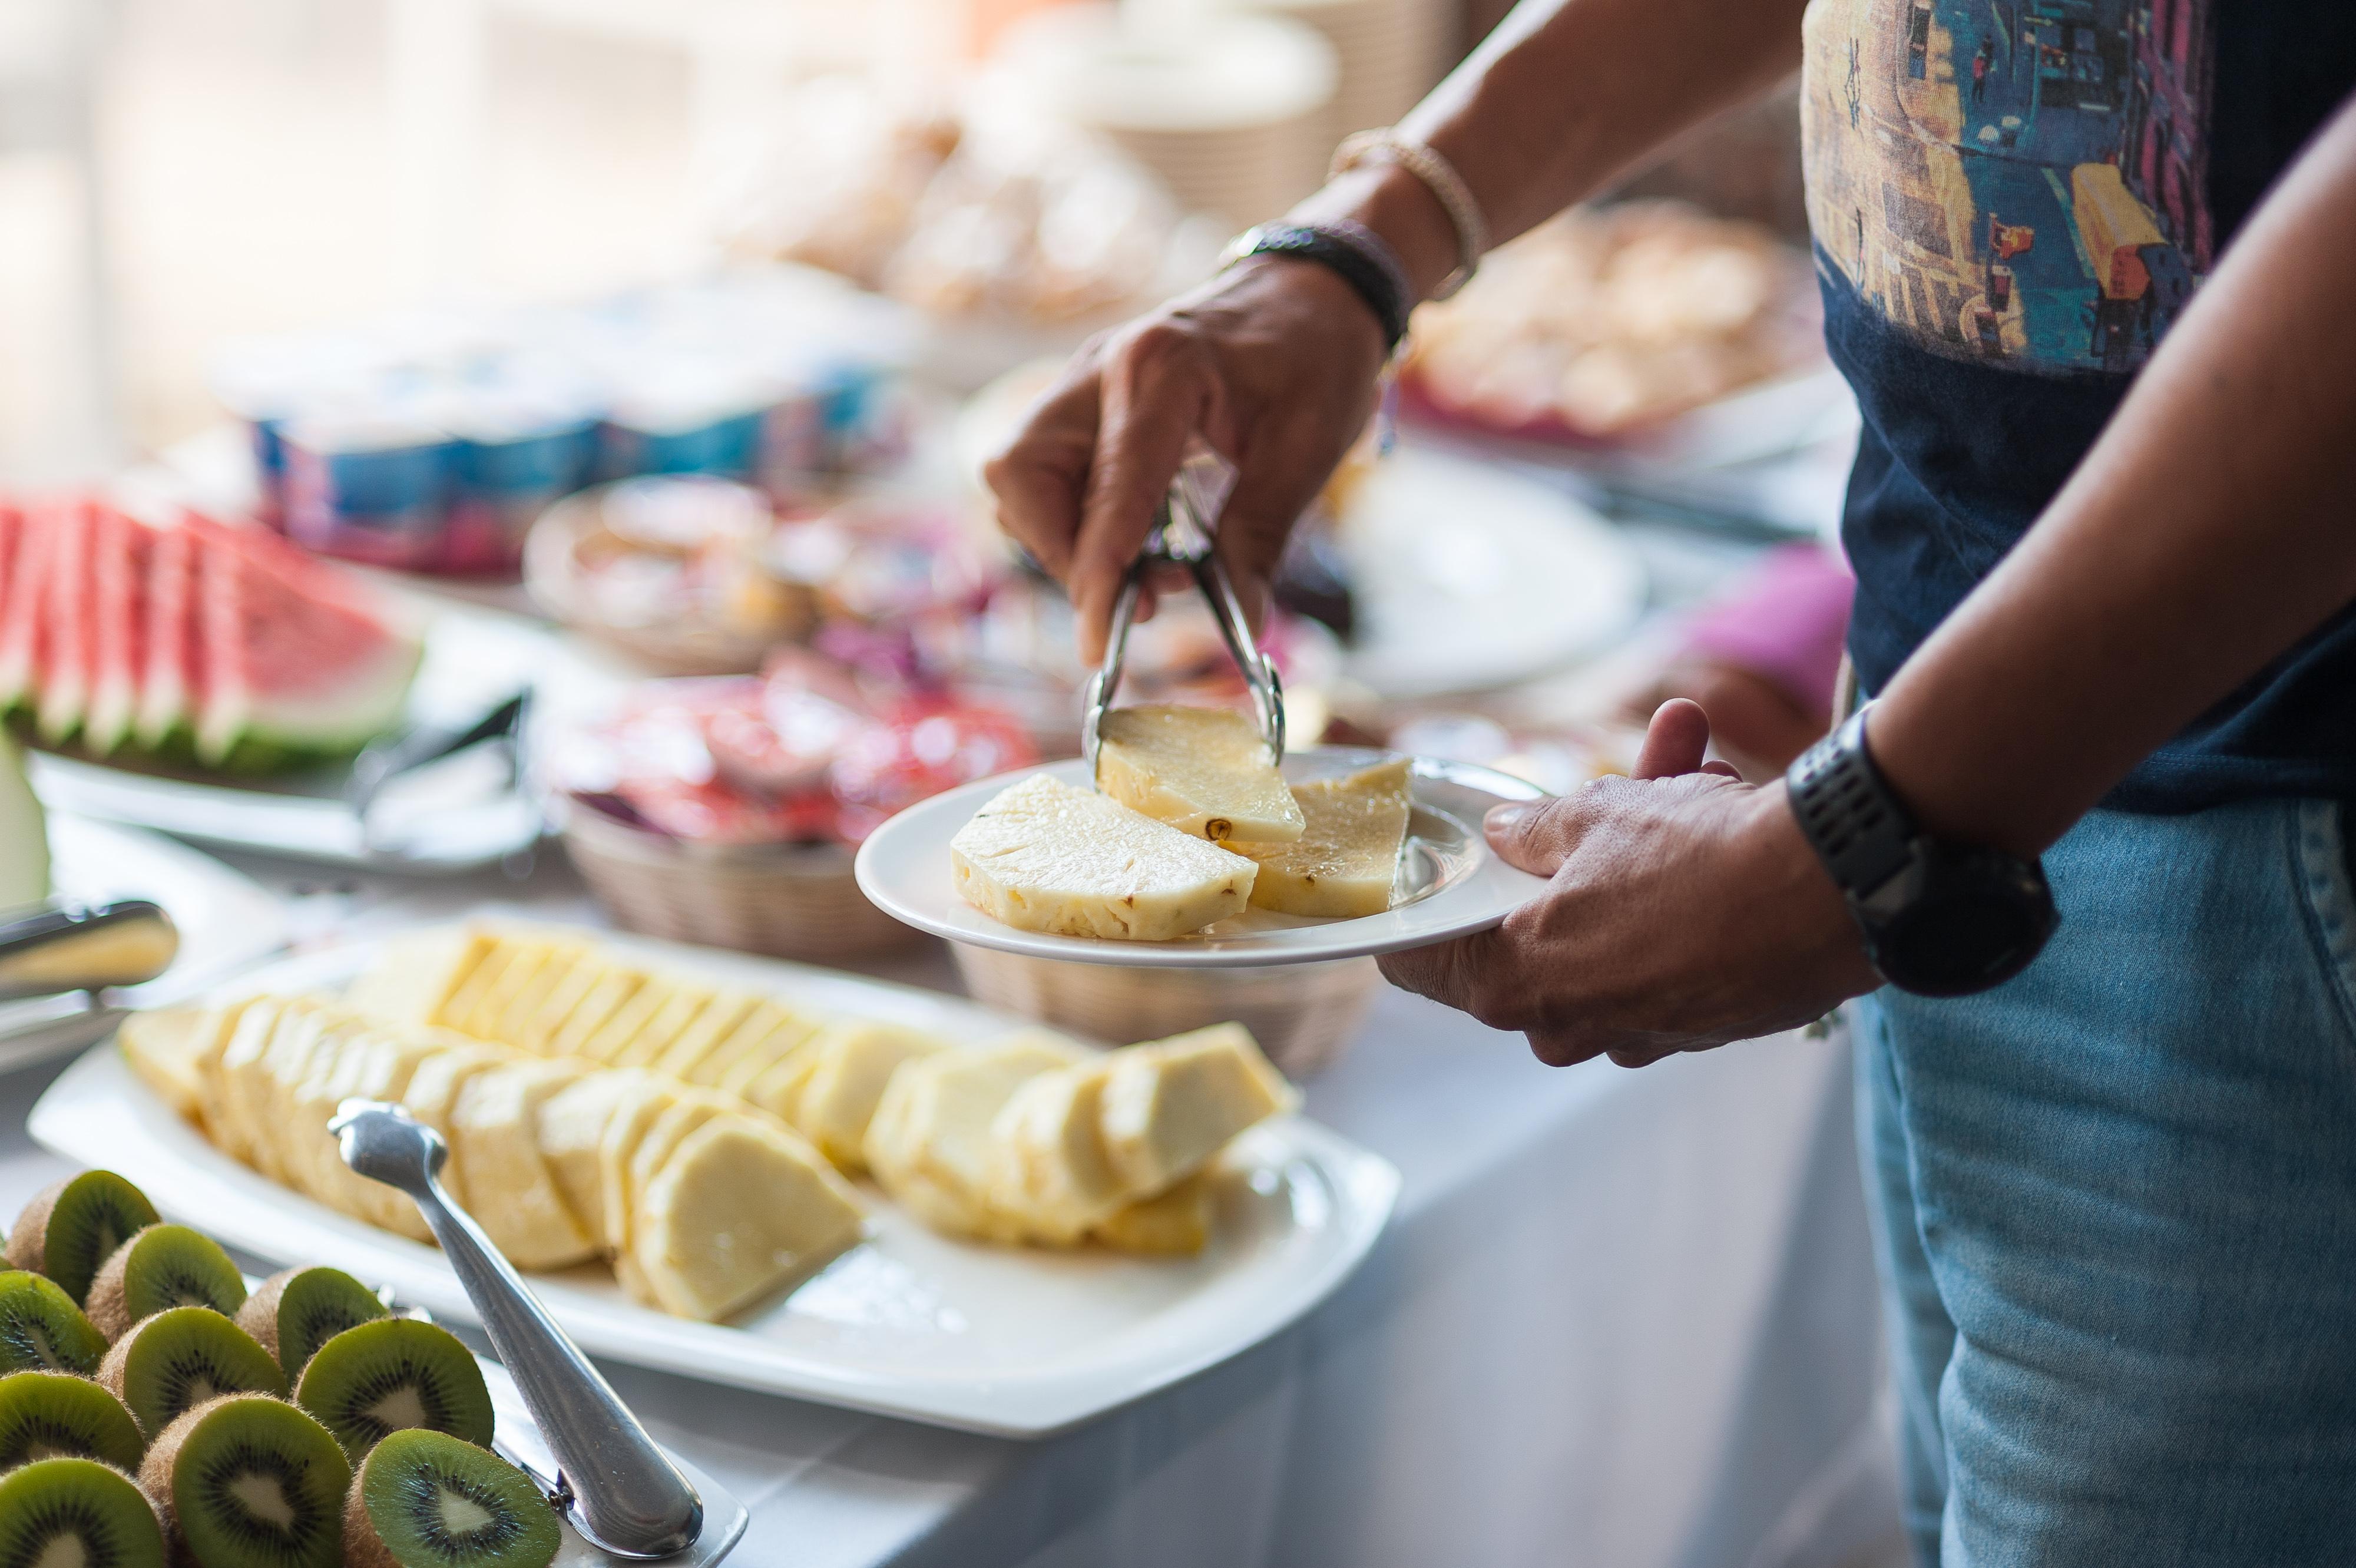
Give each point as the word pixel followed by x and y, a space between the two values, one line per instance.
pixel 1445 184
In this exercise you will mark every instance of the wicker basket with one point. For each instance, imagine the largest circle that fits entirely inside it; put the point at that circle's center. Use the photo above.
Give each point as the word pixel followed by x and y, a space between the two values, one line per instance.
pixel 788 901
pixel 1304 1015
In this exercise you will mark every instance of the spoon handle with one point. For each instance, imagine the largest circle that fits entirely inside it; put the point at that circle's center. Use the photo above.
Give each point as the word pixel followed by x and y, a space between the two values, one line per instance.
pixel 628 1499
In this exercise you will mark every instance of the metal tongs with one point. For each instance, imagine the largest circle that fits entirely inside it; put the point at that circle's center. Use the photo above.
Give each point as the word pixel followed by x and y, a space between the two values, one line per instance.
pixel 624 1495
pixel 1182 536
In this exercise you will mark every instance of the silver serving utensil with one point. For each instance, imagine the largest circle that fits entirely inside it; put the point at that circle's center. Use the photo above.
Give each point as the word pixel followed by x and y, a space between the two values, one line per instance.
pixel 624 1495
pixel 85 947
pixel 1182 536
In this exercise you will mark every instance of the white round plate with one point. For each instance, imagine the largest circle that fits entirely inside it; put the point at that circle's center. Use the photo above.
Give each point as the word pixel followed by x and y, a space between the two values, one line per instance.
pixel 1449 883
pixel 1470 576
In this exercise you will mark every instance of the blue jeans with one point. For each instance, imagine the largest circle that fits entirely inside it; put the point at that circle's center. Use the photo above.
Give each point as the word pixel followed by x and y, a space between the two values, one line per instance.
pixel 2115 1204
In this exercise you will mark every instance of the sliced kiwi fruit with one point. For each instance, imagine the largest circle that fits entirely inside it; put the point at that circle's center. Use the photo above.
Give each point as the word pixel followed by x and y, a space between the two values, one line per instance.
pixel 42 1330
pixel 77 1512
pixel 248 1481
pixel 297 1310
pixel 44 1415
pixel 390 1376
pixel 180 1357
pixel 73 1226
pixel 424 1499
pixel 163 1266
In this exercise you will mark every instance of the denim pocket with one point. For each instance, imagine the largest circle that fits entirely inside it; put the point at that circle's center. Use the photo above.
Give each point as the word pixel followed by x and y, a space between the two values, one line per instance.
pixel 2328 878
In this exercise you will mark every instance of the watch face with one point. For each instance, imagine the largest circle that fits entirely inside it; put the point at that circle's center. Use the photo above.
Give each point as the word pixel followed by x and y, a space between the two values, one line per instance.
pixel 1976 920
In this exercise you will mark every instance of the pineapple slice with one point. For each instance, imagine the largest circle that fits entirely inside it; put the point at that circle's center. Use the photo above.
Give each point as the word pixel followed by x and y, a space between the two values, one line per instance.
pixel 494 1134
pixel 174 1050
pixel 419 972
pixel 740 1210
pixel 570 1130
pixel 855 1062
pixel 1170 1105
pixel 1049 1167
pixel 1177 1224
pixel 1046 856
pixel 928 1142
pixel 1204 771
pixel 1344 864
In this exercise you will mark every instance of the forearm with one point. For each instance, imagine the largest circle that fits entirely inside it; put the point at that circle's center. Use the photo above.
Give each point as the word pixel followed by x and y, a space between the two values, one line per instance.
pixel 2205 532
pixel 1564 96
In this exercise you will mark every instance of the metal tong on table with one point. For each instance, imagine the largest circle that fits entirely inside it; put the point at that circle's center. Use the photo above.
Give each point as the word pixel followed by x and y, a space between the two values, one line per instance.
pixel 1182 536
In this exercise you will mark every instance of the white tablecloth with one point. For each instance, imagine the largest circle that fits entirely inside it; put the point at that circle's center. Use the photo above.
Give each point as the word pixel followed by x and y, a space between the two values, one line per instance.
pixel 1621 1318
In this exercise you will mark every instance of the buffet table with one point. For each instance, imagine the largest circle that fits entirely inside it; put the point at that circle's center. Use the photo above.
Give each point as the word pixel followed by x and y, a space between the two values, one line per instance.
pixel 1620 1317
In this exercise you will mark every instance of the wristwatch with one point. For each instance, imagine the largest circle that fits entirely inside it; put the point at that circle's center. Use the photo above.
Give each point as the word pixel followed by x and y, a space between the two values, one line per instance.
pixel 1939 918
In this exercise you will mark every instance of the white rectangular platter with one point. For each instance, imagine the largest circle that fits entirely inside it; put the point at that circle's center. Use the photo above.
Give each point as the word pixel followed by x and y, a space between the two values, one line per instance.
pixel 1013 1342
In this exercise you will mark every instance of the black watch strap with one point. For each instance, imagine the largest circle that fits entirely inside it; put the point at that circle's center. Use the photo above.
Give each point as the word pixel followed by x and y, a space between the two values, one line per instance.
pixel 1355 258
pixel 1857 828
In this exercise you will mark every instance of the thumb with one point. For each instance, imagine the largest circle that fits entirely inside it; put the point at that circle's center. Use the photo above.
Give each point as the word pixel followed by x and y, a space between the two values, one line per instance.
pixel 1532 836
pixel 1674 742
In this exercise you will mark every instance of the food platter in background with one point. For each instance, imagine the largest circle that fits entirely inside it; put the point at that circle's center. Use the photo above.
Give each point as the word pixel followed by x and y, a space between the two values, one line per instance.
pixel 1468 577
pixel 447 819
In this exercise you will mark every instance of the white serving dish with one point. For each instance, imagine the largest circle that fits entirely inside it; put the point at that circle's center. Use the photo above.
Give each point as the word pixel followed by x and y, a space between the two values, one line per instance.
pixel 1449 883
pixel 1010 1342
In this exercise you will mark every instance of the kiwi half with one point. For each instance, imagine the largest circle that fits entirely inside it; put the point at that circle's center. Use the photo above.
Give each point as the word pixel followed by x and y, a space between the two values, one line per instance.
pixel 163 1266
pixel 42 1330
pixel 77 1511
pixel 180 1357
pixel 297 1310
pixel 45 1414
pixel 424 1499
pixel 73 1226
pixel 385 1377
pixel 248 1480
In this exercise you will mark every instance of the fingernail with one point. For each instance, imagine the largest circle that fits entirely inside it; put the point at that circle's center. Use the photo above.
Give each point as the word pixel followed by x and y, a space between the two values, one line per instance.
pixel 1505 819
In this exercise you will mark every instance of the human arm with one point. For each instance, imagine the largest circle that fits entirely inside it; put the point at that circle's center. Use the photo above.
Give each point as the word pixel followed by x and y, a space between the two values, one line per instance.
pixel 2205 532
pixel 1273 364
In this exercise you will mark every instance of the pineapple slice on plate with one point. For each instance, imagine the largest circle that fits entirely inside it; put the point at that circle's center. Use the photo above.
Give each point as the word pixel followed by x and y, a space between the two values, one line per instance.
pixel 1204 771
pixel 1043 856
pixel 741 1209
pixel 1170 1105
pixel 1344 864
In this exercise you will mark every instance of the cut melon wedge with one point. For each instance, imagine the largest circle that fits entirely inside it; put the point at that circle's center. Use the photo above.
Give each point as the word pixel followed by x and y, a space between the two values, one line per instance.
pixel 296 661
pixel 119 549
pixel 62 668
pixel 167 644
pixel 21 621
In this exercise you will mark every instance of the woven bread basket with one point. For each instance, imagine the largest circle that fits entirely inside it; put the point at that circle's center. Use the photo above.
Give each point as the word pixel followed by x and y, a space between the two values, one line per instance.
pixel 1303 1016
pixel 784 900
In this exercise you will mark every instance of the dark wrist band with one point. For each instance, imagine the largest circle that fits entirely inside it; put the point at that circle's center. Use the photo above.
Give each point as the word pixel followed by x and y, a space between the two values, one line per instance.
pixel 1349 251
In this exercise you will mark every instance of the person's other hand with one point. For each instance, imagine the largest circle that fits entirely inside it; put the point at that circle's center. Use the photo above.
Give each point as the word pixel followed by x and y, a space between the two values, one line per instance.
pixel 1272 365
pixel 1685 909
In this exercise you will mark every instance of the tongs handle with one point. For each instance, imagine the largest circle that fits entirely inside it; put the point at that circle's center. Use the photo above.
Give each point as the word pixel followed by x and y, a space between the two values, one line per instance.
pixel 1181 536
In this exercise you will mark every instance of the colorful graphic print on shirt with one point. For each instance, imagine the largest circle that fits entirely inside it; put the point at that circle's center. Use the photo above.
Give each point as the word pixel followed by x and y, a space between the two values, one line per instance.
pixel 2015 180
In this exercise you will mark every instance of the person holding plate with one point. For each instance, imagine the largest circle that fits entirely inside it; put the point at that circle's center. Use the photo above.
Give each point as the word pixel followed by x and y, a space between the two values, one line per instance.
pixel 2082 856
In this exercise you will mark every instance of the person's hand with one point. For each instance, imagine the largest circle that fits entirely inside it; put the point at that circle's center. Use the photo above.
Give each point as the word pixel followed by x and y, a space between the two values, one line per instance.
pixel 1272 365
pixel 1685 910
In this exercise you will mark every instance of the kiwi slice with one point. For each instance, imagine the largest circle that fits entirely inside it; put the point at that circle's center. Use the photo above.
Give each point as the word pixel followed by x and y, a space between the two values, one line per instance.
pixel 77 1511
pixel 424 1499
pixel 248 1481
pixel 42 1330
pixel 163 1266
pixel 45 1415
pixel 297 1310
pixel 73 1226
pixel 180 1357
pixel 386 1376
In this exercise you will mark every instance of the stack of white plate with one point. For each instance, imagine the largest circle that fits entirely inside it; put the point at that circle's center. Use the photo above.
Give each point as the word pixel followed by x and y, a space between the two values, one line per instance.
pixel 1389 52
pixel 1232 110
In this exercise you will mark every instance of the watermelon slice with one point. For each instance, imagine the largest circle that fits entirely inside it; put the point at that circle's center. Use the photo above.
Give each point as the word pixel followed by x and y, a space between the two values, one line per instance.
pixel 61 668
pixel 12 536
pixel 295 660
pixel 119 549
pixel 168 640
pixel 21 622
